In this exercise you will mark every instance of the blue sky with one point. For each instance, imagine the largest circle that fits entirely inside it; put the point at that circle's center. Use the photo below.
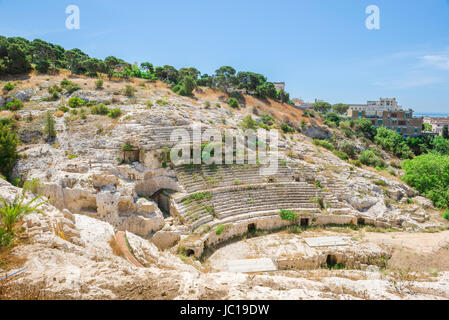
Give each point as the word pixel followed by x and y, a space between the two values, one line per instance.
pixel 320 48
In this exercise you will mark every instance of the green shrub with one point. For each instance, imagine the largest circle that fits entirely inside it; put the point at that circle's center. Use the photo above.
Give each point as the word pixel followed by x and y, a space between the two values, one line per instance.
pixel 332 117
pixel 127 147
pixel 53 97
pixel 161 102
pixel 54 88
pixel 286 128
pixel 392 172
pixel 248 123
pixel 429 174
pixel 220 229
pixel 369 158
pixel 380 183
pixel 201 196
pixel 50 125
pixel 129 91
pixel 177 88
pixel 349 148
pixel 8 149
pixel 309 113
pixel 69 86
pixel 65 82
pixel 14 105
pixel 319 200
pixel 446 214
pixel 355 163
pixel 99 84
pixel 268 120
pixel 342 155
pixel 323 143
pixel 63 109
pixel 43 66
pixel 233 103
pixel 7 122
pixel 72 88
pixel 364 127
pixel 8 87
pixel 32 185
pixel 187 86
pixel 75 102
pixel 288 215
pixel 10 213
pixel 6 237
pixel 99 109
pixel 392 141
pixel 440 145
pixel 114 113
pixel 396 164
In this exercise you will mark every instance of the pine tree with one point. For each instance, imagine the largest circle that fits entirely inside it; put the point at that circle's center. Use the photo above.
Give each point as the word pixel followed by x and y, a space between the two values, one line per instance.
pixel 50 125
pixel 8 149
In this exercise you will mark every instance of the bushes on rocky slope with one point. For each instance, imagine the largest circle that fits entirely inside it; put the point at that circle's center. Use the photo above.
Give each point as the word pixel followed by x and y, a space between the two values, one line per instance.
pixel 323 143
pixel 429 174
pixel 369 158
pixel 8 149
pixel 75 102
pixel 14 105
pixel 12 212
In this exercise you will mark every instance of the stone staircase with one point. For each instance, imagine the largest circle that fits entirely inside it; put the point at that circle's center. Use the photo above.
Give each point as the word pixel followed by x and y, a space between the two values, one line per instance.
pixel 198 178
pixel 236 202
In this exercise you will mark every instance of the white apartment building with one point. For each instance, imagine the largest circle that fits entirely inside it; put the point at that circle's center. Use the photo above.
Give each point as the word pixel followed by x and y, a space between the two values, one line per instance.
pixel 437 124
pixel 376 108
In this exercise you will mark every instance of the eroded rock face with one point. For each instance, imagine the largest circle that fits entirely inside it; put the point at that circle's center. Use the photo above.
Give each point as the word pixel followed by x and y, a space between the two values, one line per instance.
pixel 95 193
pixel 24 95
pixel 83 264
pixel 91 96
pixel 165 239
pixel 317 132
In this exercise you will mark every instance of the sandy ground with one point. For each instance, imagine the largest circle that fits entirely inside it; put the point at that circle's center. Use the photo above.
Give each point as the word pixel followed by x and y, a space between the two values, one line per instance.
pixel 416 251
pixel 427 252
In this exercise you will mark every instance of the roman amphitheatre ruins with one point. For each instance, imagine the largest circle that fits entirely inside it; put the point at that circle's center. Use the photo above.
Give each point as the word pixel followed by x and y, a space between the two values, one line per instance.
pixel 125 223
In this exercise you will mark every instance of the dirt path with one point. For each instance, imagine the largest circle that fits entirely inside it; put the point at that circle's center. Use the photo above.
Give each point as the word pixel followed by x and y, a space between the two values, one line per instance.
pixel 121 241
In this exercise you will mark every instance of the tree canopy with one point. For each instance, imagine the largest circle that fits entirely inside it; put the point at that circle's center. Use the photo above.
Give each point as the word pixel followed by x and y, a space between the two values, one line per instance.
pixel 18 56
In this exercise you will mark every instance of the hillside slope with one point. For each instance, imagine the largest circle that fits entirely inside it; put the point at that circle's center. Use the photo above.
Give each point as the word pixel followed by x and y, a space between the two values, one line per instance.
pixel 96 187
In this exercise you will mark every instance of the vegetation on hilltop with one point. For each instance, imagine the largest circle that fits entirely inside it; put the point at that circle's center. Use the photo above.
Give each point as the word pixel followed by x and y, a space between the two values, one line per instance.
pixel 19 56
pixel 356 141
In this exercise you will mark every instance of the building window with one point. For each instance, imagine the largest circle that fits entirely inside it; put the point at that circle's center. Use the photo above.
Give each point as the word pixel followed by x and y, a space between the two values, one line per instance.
pixel 379 121
pixel 399 130
pixel 416 129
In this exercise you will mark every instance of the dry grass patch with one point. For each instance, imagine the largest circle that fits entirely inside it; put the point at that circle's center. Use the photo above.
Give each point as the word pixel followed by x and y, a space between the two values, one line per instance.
pixel 115 247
